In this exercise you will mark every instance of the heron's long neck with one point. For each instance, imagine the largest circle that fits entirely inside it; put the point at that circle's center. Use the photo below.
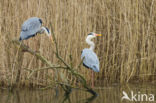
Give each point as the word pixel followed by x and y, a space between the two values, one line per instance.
pixel 43 29
pixel 91 43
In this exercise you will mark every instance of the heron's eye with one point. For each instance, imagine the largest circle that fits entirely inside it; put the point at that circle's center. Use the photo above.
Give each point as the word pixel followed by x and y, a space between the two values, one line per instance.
pixel 47 30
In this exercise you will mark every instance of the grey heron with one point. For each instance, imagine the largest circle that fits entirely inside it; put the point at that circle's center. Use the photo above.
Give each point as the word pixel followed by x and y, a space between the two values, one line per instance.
pixel 31 27
pixel 90 59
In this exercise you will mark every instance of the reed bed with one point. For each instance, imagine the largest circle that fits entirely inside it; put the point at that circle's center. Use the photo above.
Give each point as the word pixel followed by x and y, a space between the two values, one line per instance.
pixel 127 49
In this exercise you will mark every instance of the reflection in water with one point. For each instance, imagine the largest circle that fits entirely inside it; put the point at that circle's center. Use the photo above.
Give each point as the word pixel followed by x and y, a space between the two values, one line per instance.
pixel 90 99
pixel 111 94
pixel 67 97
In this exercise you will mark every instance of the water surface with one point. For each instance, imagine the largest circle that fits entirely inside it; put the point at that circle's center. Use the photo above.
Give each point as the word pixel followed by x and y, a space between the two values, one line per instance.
pixel 108 94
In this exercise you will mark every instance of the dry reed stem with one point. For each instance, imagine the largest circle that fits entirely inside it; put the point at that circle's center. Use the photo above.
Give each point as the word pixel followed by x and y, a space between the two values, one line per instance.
pixel 128 30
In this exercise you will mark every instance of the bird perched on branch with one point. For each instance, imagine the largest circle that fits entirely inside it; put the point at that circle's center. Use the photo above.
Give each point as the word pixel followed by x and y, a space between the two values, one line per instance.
pixel 31 27
pixel 90 59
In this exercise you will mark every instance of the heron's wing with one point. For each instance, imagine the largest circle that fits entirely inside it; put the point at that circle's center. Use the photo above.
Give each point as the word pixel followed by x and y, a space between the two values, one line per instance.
pixel 31 26
pixel 90 59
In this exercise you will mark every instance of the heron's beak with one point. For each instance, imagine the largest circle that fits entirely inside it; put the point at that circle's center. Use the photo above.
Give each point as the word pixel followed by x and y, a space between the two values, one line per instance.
pixel 98 34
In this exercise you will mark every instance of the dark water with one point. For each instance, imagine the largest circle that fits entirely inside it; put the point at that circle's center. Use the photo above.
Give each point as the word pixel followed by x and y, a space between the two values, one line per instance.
pixel 109 94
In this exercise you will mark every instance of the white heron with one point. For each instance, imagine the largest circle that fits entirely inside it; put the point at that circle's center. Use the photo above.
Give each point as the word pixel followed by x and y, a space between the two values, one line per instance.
pixel 31 27
pixel 90 59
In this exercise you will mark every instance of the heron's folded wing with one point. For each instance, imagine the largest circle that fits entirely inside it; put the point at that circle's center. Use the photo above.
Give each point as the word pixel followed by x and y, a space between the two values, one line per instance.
pixel 90 58
pixel 31 26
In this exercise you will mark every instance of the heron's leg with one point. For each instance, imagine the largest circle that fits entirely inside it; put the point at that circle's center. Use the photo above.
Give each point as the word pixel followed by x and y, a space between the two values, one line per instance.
pixel 92 79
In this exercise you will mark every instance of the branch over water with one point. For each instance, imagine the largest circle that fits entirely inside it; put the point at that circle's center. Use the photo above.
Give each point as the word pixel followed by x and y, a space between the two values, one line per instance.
pixel 66 66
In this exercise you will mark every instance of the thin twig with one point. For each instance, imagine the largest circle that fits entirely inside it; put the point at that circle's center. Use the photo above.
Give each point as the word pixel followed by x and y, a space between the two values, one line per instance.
pixel 35 70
